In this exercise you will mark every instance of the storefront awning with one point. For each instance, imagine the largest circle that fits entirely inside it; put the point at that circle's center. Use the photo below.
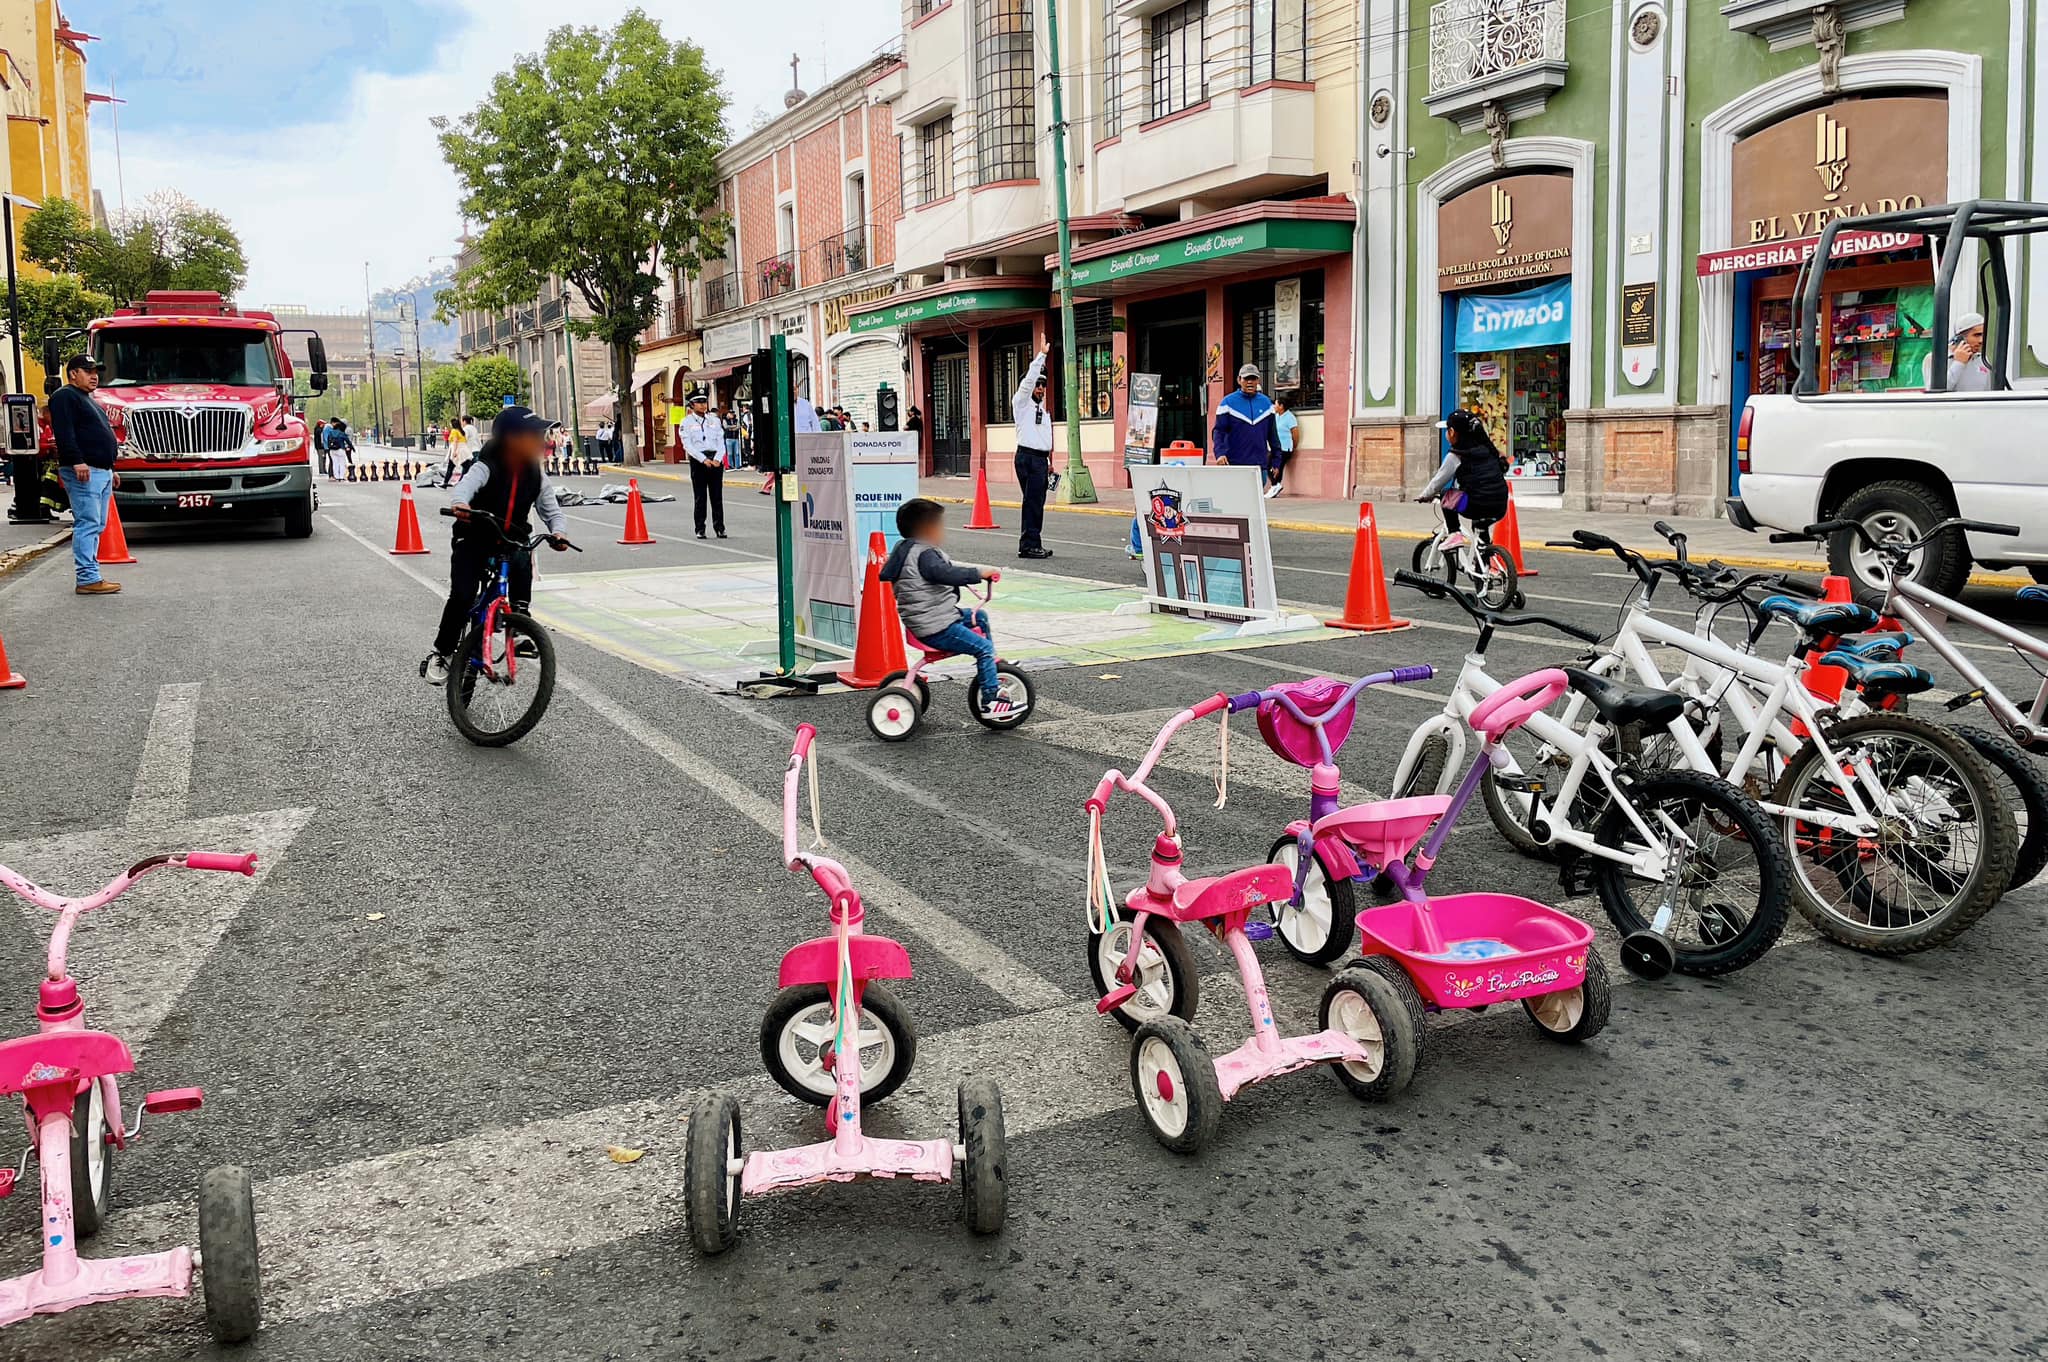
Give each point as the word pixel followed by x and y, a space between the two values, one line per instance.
pixel 643 377
pixel 1777 254
pixel 977 300
pixel 712 373
pixel 1257 236
pixel 601 405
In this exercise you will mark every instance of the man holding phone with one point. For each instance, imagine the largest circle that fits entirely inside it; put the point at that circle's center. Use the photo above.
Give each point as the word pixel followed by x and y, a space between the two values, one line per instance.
pixel 1967 371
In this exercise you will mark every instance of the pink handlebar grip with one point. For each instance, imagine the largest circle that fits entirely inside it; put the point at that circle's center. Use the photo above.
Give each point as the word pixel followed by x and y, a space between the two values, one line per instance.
pixel 1210 706
pixel 243 864
pixel 804 735
pixel 1099 801
pixel 1515 703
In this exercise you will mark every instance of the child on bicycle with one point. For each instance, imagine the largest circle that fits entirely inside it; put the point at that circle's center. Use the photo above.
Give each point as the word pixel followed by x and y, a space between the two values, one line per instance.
pixel 505 481
pixel 1479 469
pixel 928 586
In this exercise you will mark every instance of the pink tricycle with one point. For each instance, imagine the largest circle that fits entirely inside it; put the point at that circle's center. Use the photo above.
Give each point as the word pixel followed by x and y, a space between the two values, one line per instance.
pixel 66 1076
pixel 895 710
pixel 833 1037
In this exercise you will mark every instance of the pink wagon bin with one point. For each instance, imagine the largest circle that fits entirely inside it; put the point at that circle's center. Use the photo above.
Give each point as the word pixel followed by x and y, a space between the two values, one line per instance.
pixel 1457 951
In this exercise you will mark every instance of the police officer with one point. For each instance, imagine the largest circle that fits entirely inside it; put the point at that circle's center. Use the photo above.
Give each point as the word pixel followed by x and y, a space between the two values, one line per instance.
pixel 703 441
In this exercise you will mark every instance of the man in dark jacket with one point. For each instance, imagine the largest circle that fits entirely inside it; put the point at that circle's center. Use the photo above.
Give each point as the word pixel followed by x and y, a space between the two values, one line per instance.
pixel 1247 428
pixel 85 462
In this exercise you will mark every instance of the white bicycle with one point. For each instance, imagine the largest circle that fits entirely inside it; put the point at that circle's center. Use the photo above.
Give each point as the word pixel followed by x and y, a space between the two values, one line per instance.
pixel 1688 868
pixel 1450 554
pixel 1899 839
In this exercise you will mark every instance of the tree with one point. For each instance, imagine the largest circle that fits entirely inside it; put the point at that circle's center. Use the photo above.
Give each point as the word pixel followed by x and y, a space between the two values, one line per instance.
pixel 589 163
pixel 487 379
pixel 444 391
pixel 169 242
pixel 53 306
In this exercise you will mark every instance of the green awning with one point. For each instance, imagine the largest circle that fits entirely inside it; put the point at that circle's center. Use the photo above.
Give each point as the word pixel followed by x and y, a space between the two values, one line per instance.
pixel 885 314
pixel 1225 250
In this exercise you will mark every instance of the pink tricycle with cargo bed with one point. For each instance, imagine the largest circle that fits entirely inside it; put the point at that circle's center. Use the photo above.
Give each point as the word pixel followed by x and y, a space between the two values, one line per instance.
pixel 67 1077
pixel 835 1037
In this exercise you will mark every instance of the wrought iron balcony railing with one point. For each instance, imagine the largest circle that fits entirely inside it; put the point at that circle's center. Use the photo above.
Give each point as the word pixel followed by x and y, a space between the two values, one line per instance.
pixel 1494 51
pixel 846 253
pixel 722 293
pixel 776 275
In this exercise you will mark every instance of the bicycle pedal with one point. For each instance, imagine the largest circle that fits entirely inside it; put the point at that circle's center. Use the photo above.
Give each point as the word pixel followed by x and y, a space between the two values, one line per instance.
pixel 1965 700
pixel 1258 931
pixel 1520 782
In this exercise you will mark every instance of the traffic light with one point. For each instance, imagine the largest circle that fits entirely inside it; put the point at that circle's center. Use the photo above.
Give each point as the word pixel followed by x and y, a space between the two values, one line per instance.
pixel 767 401
pixel 886 413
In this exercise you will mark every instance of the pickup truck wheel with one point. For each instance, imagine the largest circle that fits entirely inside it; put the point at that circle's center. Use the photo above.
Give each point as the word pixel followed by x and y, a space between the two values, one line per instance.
pixel 1898 509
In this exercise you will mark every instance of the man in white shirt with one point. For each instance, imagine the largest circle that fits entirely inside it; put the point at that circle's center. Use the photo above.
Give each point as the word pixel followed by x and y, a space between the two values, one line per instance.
pixel 703 440
pixel 1034 454
pixel 1967 371
pixel 804 414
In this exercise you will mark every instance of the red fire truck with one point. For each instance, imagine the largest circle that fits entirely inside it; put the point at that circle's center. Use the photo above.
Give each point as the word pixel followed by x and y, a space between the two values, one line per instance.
pixel 200 395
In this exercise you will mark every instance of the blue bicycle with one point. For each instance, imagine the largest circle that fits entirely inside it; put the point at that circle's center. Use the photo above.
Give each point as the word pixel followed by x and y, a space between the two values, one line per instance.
pixel 502 674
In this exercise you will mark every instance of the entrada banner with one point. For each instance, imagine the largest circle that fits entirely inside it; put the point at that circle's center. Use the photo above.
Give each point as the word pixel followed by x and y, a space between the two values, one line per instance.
pixel 1515 321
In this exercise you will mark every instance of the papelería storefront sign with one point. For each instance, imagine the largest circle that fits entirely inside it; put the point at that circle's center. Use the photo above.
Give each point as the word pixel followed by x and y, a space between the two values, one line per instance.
pixel 1848 159
pixel 1508 231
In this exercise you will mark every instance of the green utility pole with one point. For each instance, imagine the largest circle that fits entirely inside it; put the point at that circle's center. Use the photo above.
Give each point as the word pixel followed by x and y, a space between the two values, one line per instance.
pixel 575 399
pixel 1077 487
pixel 785 528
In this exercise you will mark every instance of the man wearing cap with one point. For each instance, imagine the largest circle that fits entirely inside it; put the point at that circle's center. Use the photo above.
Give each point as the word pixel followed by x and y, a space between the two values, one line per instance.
pixel 1034 455
pixel 1967 371
pixel 1247 430
pixel 703 441
pixel 85 463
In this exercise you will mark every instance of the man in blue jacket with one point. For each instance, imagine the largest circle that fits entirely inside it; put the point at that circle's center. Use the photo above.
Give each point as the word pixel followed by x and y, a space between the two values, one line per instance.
pixel 85 461
pixel 1247 430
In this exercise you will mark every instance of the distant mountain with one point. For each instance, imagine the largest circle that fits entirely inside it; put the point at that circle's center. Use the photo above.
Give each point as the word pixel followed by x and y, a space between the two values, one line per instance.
pixel 436 338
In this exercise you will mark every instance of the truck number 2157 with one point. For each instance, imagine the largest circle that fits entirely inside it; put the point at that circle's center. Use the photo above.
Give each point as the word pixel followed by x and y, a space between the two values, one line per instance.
pixel 194 501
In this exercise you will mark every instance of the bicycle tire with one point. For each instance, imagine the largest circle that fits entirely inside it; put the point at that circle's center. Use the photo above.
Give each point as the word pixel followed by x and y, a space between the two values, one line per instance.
pixel 1717 801
pixel 462 681
pixel 1996 840
pixel 2029 789
pixel 1500 589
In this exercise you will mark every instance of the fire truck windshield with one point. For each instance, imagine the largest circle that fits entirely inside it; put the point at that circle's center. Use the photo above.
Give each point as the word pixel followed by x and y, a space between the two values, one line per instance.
pixel 186 354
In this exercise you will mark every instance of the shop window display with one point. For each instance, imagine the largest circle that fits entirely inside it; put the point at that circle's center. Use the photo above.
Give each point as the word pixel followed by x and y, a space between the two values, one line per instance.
pixel 1519 395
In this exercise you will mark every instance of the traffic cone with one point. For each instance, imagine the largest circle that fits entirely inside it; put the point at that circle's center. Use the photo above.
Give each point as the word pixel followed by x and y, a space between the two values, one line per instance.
pixel 408 523
pixel 113 539
pixel 1508 534
pixel 1823 682
pixel 9 678
pixel 636 516
pixel 878 645
pixel 1365 597
pixel 984 517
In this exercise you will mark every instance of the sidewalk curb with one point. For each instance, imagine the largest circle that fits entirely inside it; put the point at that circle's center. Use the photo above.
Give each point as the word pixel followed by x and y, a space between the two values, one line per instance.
pixel 14 559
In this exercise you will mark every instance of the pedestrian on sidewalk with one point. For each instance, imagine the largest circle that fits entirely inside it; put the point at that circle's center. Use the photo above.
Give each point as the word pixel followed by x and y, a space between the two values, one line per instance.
pixel 1286 422
pixel 703 442
pixel 341 448
pixel 457 446
pixel 1034 454
pixel 604 441
pixel 1246 433
pixel 85 464
pixel 729 427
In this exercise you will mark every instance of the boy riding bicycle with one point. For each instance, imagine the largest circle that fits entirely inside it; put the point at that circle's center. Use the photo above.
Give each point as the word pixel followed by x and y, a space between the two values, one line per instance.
pixel 928 586
pixel 505 481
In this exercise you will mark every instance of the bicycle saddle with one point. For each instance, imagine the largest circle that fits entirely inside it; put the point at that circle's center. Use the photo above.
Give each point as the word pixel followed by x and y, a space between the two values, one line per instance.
pixel 1819 617
pixel 2036 595
pixel 1880 676
pixel 1877 647
pixel 1622 706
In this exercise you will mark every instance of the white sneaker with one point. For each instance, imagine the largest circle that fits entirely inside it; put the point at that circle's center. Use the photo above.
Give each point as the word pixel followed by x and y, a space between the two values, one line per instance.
pixel 1273 491
pixel 435 669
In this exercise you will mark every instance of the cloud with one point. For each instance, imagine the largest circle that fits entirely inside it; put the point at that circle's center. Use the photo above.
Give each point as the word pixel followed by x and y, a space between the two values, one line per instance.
pixel 318 184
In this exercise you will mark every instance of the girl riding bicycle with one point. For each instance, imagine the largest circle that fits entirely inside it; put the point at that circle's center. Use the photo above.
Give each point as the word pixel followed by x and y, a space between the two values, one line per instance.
pixel 1479 469
pixel 504 479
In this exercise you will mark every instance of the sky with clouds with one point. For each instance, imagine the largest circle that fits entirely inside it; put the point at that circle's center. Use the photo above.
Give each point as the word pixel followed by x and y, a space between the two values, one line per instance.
pixel 307 124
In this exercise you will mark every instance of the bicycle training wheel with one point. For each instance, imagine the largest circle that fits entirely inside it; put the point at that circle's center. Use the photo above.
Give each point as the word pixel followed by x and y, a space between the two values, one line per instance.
pixel 1726 889
pixel 1944 846
pixel 495 697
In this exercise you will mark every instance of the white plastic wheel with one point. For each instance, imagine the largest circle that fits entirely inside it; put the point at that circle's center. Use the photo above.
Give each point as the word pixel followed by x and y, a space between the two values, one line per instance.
pixel 805 1038
pixel 1163 1086
pixel 1174 1080
pixel 1154 981
pixel 893 713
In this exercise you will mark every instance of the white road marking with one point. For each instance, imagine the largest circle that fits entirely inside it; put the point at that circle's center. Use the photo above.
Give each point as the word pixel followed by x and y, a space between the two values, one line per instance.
pixel 711 544
pixel 163 779
pixel 965 947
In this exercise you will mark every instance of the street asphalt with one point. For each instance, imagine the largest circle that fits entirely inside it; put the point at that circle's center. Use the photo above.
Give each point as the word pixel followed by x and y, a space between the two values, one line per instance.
pixel 463 975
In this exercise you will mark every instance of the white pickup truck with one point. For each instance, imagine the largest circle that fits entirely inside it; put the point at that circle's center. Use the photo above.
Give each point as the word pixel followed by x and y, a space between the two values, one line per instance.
pixel 1902 460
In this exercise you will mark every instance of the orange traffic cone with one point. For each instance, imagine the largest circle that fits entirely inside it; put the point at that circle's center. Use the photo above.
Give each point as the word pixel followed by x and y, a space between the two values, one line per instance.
pixel 1508 534
pixel 113 539
pixel 409 540
pixel 984 517
pixel 9 678
pixel 878 646
pixel 1826 682
pixel 636 516
pixel 1365 598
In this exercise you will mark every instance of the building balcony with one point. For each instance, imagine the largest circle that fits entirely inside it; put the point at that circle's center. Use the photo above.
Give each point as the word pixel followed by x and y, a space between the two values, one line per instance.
pixel 528 320
pixel 775 276
pixel 722 293
pixel 1505 52
pixel 503 331
pixel 551 312
pixel 672 319
pixel 846 253
pixel 1789 23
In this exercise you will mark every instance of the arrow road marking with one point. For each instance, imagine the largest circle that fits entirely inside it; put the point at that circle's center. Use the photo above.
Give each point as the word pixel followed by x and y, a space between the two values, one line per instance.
pixel 164 779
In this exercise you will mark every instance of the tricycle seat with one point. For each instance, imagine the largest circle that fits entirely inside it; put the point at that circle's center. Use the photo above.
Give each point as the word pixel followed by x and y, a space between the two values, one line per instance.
pixel 31 1061
pixel 1240 890
pixel 1386 830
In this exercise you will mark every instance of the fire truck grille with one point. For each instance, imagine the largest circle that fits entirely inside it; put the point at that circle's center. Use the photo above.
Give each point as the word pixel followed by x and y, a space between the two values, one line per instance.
pixel 188 429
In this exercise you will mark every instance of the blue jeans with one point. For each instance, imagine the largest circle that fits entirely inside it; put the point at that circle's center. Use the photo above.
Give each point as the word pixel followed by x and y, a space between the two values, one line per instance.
pixel 88 517
pixel 962 638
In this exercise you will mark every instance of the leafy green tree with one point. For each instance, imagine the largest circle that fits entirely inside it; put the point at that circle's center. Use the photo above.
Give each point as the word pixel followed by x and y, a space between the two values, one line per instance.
pixel 53 306
pixel 487 379
pixel 588 163
pixel 444 392
pixel 169 242
pixel 58 236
